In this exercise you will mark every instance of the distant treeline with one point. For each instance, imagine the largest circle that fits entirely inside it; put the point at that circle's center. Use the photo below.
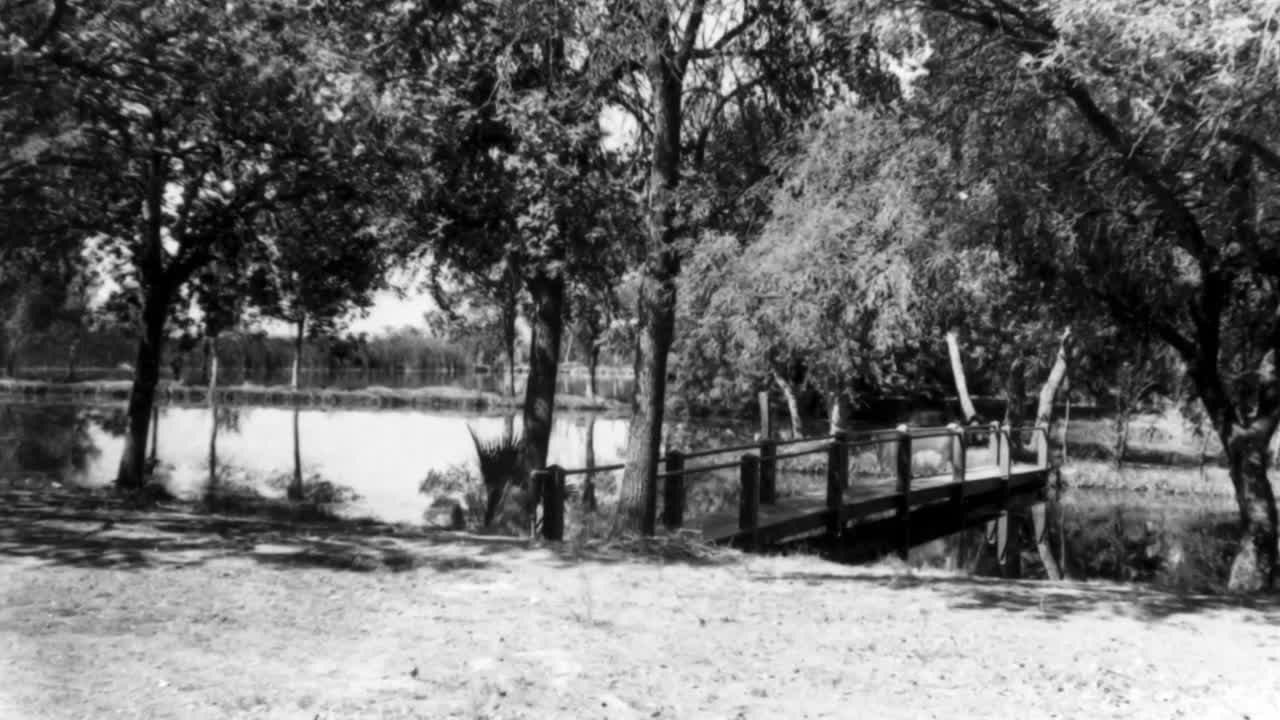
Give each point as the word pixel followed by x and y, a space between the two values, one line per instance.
pixel 252 356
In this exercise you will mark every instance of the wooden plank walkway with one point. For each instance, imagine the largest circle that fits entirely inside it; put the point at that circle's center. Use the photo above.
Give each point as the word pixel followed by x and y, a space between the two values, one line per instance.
pixel 797 517
pixel 894 507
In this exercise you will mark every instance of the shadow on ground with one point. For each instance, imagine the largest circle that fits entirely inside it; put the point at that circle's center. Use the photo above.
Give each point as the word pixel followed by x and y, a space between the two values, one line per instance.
pixel 98 529
pixel 1047 600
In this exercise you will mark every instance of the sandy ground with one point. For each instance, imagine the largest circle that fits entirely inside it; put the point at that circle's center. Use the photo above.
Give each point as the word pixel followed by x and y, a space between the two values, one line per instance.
pixel 157 615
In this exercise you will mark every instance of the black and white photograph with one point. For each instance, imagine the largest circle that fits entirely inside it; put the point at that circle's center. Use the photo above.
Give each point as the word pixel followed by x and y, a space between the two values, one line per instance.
pixel 639 359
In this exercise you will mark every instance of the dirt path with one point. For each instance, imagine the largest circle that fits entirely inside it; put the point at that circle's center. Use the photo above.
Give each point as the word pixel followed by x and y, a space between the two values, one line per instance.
pixel 168 616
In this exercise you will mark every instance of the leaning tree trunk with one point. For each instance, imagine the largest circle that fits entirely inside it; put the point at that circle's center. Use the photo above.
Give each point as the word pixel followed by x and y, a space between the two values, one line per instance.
pixel 793 404
pixel 295 487
pixel 132 469
pixel 544 358
pixel 1044 414
pixel 962 386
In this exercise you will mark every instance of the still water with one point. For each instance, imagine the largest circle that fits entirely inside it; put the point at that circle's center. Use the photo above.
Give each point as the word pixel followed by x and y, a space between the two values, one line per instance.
pixel 382 455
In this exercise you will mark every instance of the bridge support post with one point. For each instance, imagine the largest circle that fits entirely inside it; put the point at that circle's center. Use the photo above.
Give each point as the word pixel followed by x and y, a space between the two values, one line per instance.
pixel 903 490
pixel 553 504
pixel 959 463
pixel 749 506
pixel 1008 549
pixel 837 481
pixel 768 472
pixel 673 491
pixel 539 480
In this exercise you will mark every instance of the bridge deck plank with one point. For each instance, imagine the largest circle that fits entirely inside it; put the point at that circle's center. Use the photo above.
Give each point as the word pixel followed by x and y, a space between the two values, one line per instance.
pixel 797 515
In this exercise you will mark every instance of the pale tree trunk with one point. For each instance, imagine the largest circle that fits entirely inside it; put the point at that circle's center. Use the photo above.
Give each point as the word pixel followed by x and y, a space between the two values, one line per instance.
pixel 957 372
pixel 544 356
pixel 1044 414
pixel 213 411
pixel 793 404
pixel 295 487
pixel 837 421
pixel 638 499
pixel 1057 374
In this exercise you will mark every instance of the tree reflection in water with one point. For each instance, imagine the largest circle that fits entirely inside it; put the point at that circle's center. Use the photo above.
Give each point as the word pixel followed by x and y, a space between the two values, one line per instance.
pixel 48 441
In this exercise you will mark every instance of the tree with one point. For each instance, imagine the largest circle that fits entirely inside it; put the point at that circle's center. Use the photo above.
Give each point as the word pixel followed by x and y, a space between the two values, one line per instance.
pixel 703 83
pixel 527 191
pixel 187 112
pixel 1146 161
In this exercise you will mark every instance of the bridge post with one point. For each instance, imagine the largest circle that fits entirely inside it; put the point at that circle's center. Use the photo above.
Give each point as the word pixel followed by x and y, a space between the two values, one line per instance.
pixel 1008 552
pixel 903 490
pixel 749 507
pixel 673 491
pixel 553 504
pixel 768 472
pixel 539 480
pixel 837 481
pixel 958 466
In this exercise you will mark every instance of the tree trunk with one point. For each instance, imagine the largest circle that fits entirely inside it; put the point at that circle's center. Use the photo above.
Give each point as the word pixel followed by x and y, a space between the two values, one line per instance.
pixel 131 472
pixel 1044 414
pixel 1057 374
pixel 793 404
pixel 295 487
pixel 155 436
pixel 962 386
pixel 73 354
pixel 544 357
pixel 593 365
pixel 638 499
pixel 1254 567
pixel 1015 392
pixel 836 414
pixel 212 349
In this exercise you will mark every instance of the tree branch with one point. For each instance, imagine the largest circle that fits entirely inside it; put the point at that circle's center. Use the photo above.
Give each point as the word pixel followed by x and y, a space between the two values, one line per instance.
pixel 690 38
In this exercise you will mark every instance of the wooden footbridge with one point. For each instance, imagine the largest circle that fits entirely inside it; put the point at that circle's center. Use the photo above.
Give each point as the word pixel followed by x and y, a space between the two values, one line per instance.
pixel 880 489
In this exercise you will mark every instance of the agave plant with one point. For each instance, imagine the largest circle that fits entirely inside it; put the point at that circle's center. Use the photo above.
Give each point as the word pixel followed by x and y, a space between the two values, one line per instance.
pixel 500 462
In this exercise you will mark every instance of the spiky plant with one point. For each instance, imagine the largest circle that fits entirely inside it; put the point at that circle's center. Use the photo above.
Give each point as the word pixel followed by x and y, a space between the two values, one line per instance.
pixel 500 462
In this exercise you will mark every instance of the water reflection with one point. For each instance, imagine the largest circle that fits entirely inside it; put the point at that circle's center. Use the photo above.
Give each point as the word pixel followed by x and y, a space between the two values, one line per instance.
pixel 380 454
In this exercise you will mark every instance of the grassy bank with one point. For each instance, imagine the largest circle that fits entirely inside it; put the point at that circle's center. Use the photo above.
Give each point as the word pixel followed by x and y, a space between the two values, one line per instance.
pixel 437 397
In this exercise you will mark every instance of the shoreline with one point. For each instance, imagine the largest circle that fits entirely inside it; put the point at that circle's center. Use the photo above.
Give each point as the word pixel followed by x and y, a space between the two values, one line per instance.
pixel 429 397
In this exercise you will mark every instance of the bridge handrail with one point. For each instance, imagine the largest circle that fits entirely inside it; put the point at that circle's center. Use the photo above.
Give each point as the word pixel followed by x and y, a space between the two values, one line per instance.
pixel 823 444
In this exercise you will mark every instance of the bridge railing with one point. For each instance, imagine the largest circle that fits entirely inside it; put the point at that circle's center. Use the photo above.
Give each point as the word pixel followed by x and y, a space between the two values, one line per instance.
pixel 758 471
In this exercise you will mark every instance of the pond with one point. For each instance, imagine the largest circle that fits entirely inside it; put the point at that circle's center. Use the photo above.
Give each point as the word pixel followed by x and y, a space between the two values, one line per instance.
pixel 1182 541
pixel 381 455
